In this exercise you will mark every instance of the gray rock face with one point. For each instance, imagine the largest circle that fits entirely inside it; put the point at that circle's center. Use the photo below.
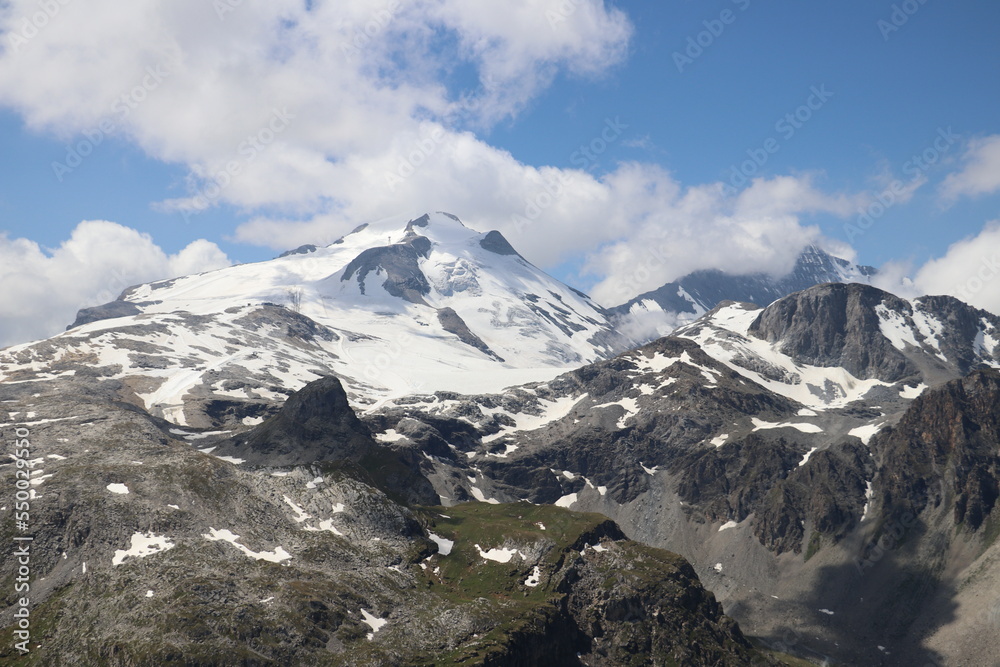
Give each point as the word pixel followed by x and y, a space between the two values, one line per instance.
pixel 494 241
pixel 453 323
pixel 301 250
pixel 150 552
pixel 837 325
pixel 315 425
pixel 106 311
pixel 763 495
pixel 399 263
pixel 945 450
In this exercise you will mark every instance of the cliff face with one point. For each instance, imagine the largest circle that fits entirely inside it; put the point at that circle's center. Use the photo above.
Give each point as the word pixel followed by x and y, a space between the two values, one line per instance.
pixel 945 451
pixel 836 325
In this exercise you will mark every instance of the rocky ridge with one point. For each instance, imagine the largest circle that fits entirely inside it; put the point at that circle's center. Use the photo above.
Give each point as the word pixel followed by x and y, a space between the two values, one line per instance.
pixel 152 546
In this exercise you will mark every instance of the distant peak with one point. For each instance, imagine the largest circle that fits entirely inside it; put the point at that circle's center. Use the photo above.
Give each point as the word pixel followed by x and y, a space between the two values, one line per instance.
pixel 495 242
pixel 301 250
pixel 422 221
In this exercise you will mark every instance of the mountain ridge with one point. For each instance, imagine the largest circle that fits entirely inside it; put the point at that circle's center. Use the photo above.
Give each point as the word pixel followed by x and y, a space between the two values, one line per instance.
pixel 660 311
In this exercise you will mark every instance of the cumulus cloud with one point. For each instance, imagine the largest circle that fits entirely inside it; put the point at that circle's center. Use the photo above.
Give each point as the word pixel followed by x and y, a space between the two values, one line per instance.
pixel 980 174
pixel 969 270
pixel 315 117
pixel 44 289
pixel 672 231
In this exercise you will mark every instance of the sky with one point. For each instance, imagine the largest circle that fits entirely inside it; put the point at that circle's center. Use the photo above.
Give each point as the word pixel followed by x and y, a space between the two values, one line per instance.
pixel 617 145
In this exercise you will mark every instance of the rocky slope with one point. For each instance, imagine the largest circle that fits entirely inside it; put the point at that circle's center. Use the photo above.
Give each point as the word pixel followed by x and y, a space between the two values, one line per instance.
pixel 152 546
pixel 750 443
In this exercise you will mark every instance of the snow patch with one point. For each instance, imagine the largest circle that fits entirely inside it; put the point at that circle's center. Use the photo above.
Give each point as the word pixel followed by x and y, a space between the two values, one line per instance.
pixel 478 494
pixel 567 500
pixel 276 556
pixel 535 578
pixel 894 327
pixel 499 555
pixel 805 459
pixel 869 494
pixel 911 393
pixel 444 544
pixel 120 489
pixel 143 544
pixel 300 513
pixel 372 622
pixel 866 433
pixel 760 425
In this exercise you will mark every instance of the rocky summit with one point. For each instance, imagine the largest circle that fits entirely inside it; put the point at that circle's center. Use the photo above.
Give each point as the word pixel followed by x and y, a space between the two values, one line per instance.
pixel 412 447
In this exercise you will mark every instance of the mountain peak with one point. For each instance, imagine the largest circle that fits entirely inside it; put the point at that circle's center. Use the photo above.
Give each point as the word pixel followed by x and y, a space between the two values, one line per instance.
pixel 660 311
pixel 398 306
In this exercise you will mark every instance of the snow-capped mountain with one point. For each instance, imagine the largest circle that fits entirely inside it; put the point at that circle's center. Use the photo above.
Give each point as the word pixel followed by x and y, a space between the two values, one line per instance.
pixel 660 311
pixel 773 447
pixel 393 308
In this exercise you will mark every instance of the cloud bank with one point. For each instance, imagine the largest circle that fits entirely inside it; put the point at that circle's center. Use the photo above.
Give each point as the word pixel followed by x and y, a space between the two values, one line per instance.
pixel 315 117
pixel 43 290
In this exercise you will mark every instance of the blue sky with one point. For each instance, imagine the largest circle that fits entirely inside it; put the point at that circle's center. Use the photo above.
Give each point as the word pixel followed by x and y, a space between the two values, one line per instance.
pixel 547 77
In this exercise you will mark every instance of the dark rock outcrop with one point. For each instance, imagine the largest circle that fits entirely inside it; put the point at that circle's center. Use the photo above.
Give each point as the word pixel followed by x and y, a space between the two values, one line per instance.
pixel 452 322
pixel 946 448
pixel 105 311
pixel 495 242
pixel 399 263
pixel 837 325
pixel 301 250
pixel 318 426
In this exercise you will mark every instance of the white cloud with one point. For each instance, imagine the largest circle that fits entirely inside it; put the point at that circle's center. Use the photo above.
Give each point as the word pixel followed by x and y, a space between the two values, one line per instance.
pixel 313 121
pixel 981 173
pixel 969 270
pixel 43 290
pixel 668 231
